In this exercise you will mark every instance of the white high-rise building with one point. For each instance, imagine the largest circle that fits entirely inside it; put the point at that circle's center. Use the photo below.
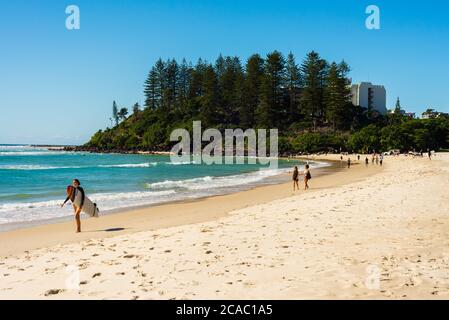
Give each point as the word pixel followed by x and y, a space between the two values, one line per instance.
pixel 369 96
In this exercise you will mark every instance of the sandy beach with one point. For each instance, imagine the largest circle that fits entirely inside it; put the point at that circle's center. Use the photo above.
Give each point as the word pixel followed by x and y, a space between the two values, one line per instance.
pixel 364 232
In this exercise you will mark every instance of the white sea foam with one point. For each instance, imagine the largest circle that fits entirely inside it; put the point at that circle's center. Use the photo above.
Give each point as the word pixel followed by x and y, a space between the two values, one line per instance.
pixel 178 183
pixel 130 165
pixel 14 147
pixel 157 192
pixel 179 163
pixel 30 211
pixel 210 183
pixel 34 167
pixel 41 167
pixel 105 197
pixel 33 153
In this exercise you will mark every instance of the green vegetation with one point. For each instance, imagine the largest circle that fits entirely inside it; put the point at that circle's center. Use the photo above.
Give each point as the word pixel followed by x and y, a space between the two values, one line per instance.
pixel 309 104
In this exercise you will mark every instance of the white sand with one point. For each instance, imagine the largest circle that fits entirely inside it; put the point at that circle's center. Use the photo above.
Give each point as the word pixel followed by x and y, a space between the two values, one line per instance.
pixel 383 237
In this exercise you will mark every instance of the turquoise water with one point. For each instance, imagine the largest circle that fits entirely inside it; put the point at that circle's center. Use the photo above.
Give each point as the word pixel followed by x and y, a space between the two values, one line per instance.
pixel 33 180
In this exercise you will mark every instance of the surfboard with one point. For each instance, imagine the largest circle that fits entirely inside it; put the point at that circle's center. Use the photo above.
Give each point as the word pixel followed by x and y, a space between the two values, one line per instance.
pixel 89 207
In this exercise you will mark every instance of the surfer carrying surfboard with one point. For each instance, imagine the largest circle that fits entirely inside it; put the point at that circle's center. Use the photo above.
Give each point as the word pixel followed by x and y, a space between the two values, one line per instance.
pixel 75 193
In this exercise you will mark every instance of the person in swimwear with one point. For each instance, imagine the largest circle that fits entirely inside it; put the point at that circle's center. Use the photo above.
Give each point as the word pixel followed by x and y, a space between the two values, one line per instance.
pixel 71 195
pixel 295 179
pixel 307 177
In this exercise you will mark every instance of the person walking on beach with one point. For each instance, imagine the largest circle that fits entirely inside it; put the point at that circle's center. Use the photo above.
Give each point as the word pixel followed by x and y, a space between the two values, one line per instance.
pixel 295 179
pixel 358 157
pixel 349 163
pixel 366 161
pixel 307 177
pixel 429 153
pixel 372 158
pixel 71 195
pixel 381 160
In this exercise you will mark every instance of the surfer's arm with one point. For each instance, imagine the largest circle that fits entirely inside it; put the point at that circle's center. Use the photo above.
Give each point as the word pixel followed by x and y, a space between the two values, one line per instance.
pixel 67 199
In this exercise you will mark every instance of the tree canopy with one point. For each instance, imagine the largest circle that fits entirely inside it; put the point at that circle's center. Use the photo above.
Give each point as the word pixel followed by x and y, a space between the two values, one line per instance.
pixel 309 102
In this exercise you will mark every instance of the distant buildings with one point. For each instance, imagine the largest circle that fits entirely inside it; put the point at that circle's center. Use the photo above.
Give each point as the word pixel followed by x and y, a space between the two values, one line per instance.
pixel 404 113
pixel 369 96
pixel 432 114
pixel 374 97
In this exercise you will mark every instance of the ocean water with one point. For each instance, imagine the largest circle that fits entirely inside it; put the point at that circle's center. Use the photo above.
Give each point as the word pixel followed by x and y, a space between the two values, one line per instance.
pixel 33 180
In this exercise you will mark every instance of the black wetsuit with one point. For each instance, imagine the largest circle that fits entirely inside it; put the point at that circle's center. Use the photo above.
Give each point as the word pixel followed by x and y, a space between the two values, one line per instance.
pixel 72 198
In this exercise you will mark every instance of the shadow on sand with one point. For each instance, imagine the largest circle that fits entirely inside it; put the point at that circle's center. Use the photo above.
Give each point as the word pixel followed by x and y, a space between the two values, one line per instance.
pixel 114 229
pixel 108 230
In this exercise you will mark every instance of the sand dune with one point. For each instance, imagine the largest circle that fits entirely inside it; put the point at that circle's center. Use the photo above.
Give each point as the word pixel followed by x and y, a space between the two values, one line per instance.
pixel 381 237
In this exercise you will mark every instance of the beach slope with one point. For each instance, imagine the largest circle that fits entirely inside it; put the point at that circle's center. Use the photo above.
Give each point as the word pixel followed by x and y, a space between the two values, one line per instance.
pixel 383 236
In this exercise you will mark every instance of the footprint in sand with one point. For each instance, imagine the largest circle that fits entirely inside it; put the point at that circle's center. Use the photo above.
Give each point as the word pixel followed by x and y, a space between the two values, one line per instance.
pixel 142 274
pixel 83 266
pixel 52 292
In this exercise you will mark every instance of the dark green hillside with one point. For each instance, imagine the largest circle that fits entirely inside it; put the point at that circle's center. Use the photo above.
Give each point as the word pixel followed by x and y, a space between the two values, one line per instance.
pixel 308 102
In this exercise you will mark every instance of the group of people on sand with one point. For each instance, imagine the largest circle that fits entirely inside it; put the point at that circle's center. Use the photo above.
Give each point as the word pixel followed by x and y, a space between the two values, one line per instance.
pixel 377 159
pixel 306 177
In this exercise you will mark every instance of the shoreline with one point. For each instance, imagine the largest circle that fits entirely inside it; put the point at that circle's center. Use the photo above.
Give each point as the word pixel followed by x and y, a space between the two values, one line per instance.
pixel 171 214
pixel 280 177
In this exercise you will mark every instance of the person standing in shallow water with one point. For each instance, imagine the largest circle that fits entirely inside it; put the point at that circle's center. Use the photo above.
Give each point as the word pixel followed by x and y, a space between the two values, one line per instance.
pixel 307 177
pixel 295 179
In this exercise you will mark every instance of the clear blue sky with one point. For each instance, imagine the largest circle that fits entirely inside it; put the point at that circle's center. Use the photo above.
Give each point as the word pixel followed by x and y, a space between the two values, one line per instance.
pixel 57 86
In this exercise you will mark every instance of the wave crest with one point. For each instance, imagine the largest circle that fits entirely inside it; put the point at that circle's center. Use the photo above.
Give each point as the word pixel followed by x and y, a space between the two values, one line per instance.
pixel 130 165
pixel 208 182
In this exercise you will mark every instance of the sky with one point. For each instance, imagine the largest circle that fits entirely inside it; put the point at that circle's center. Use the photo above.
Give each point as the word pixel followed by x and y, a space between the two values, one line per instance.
pixel 57 85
